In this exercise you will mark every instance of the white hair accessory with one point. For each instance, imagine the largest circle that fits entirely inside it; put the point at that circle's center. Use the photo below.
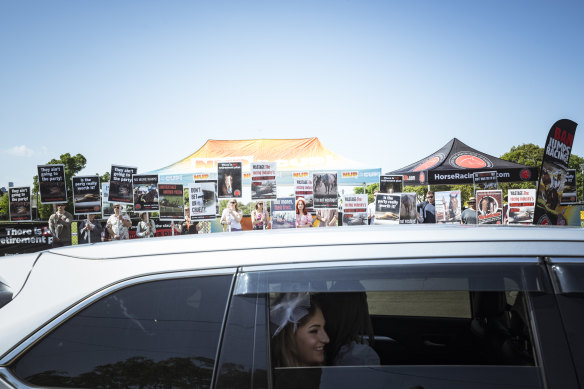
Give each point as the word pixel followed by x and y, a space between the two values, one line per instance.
pixel 291 308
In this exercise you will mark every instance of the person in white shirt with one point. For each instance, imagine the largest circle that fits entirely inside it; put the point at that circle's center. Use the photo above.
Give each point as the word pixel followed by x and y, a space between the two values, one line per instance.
pixel 371 208
pixel 117 224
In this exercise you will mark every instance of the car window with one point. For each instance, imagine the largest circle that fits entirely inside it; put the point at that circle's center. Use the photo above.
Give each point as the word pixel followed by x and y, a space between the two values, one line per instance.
pixel 570 297
pixel 156 334
pixel 404 325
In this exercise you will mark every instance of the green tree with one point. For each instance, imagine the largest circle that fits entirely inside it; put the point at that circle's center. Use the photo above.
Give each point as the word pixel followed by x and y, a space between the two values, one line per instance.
pixel 369 190
pixel 532 155
pixel 105 177
pixel 73 165
pixel 4 214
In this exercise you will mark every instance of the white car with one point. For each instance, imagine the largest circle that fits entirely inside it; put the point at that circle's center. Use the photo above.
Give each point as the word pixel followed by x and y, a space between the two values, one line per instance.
pixel 437 306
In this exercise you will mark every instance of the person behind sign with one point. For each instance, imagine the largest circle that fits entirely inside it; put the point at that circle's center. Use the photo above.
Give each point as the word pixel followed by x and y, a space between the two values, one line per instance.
pixel 117 224
pixel 189 227
pixel 146 228
pixel 469 215
pixel 303 218
pixel 426 210
pixel 259 216
pixel 371 208
pixel 90 230
pixel 327 217
pixel 60 226
pixel 232 216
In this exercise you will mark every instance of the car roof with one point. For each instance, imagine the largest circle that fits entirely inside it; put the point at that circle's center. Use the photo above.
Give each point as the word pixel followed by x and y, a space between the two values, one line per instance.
pixel 392 234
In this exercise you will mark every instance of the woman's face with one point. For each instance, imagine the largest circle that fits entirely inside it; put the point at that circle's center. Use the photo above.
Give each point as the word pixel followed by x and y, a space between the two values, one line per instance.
pixel 311 339
pixel 300 205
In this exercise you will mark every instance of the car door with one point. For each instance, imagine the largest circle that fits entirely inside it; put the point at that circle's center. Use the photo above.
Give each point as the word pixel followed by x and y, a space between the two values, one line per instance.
pixel 156 331
pixel 434 323
pixel 568 277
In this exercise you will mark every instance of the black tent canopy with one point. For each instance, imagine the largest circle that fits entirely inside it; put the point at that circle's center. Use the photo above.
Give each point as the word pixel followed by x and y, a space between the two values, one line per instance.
pixel 455 163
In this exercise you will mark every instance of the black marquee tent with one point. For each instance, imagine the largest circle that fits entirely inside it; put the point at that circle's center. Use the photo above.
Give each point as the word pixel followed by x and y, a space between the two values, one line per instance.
pixel 455 163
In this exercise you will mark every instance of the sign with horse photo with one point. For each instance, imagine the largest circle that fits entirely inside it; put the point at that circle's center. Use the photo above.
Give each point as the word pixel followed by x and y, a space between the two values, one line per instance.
pixel 145 188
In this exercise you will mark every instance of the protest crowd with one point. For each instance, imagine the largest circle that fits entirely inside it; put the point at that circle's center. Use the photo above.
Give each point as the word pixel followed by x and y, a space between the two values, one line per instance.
pixel 143 206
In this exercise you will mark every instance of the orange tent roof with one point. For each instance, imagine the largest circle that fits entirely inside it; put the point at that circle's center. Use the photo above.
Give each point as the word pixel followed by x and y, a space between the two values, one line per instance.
pixel 290 154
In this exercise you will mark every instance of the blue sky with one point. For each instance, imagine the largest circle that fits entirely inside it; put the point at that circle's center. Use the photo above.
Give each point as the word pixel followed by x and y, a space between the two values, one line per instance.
pixel 146 83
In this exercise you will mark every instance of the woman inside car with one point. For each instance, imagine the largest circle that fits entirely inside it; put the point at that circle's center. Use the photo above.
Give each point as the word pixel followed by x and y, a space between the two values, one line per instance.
pixel 299 337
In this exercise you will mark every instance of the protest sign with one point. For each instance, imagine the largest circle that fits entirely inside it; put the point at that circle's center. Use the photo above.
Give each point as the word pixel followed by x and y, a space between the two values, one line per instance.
pixel 24 237
pixel 86 196
pixel 263 180
pixel 303 188
pixel 489 206
pixel 120 190
pixel 172 202
pixel 391 184
pixel 20 204
pixel 324 189
pixel 284 213
pixel 203 203
pixel 485 180
pixel 387 208
pixel 407 212
pixel 229 179
pixel 569 194
pixel 52 186
pixel 521 206
pixel 448 207
pixel 145 189
pixel 355 210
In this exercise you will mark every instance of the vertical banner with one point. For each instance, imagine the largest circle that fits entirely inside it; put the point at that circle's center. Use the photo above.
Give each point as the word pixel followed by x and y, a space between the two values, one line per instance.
pixel 407 211
pixel 387 208
pixel 324 189
pixel 391 184
pixel 52 184
pixel 448 208
pixel 521 206
pixel 552 175
pixel 20 207
pixel 303 188
pixel 355 210
pixel 229 179
pixel 284 213
pixel 120 190
pixel 569 194
pixel 489 206
pixel 203 200
pixel 172 202
pixel 485 181
pixel 86 196
pixel 263 180
pixel 145 189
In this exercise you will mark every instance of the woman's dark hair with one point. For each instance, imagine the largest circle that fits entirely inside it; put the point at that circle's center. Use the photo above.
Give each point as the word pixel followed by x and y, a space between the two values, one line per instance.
pixel 347 320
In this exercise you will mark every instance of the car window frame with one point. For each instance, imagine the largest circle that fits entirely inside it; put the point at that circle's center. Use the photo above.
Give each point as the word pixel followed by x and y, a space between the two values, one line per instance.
pixel 69 312
pixel 547 374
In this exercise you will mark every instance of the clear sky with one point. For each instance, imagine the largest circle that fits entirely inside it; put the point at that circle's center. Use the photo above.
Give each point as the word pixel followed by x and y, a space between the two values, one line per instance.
pixel 146 83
